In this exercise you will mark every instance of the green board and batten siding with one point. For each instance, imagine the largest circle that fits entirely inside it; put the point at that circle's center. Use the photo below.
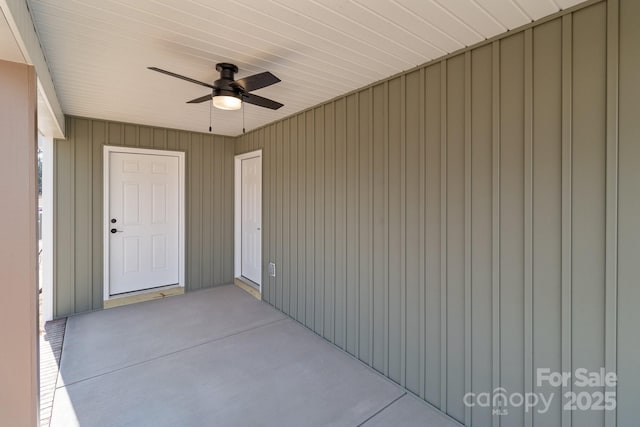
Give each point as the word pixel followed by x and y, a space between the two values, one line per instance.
pixel 452 226
pixel 78 280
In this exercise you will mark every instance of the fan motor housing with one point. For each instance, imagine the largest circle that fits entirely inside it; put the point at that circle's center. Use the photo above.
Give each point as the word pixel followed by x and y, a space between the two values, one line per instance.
pixel 225 92
pixel 226 70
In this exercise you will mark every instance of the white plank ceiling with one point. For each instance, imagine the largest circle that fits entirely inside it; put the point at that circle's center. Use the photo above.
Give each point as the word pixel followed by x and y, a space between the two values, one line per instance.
pixel 98 50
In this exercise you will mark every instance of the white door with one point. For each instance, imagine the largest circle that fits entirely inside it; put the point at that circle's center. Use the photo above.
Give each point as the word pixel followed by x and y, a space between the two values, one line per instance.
pixel 251 216
pixel 143 222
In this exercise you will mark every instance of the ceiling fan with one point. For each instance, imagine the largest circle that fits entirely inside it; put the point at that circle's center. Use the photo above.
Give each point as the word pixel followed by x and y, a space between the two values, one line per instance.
pixel 229 94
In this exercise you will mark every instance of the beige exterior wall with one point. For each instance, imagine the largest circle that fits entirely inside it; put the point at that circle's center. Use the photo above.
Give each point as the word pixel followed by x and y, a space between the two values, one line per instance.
pixel 18 248
pixel 78 174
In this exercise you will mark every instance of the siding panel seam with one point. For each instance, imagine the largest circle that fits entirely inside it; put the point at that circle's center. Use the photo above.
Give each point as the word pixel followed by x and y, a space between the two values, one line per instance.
pixel 403 233
pixel 386 231
pixel 495 212
pixel 372 226
pixel 467 233
pixel 443 236
pixel 528 219
pixel 423 240
pixel 611 227
pixel 566 225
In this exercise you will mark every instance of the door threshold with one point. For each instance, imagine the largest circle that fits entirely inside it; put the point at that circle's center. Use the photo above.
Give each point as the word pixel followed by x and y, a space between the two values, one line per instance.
pixel 248 286
pixel 141 296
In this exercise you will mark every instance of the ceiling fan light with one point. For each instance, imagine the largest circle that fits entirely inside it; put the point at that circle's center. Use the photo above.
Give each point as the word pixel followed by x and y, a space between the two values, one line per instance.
pixel 225 102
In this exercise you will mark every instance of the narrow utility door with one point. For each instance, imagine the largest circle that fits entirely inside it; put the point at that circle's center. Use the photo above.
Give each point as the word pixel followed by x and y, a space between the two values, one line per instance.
pixel 251 218
pixel 143 222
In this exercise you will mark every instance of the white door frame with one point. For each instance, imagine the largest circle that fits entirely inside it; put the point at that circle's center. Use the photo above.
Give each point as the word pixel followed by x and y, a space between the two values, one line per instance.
pixel 238 212
pixel 108 149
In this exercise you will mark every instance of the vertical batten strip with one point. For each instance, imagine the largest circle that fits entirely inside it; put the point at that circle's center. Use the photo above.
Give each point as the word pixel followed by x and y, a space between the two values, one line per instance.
pixel 320 200
pixel 98 141
pixel 567 59
pixel 287 211
pixel 335 221
pixel 467 232
pixel 528 219
pixel 386 232
pixel 423 238
pixel 443 235
pixel 264 285
pixel 275 214
pixel 345 305
pixel 201 219
pixel 495 224
pixel 357 221
pixel 611 227
pixel 372 226
pixel 280 214
pixel 72 216
pixel 403 227
pixel 293 216
pixel 310 241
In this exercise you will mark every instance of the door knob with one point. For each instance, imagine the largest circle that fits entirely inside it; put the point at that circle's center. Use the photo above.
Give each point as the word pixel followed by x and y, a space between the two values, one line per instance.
pixel 114 231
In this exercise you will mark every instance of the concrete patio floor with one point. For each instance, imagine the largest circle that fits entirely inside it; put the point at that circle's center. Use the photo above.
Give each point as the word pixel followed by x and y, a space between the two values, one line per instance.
pixel 218 357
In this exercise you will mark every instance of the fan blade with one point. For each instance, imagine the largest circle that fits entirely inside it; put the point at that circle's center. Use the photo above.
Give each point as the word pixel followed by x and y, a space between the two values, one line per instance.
pixel 189 79
pixel 201 99
pixel 250 98
pixel 257 81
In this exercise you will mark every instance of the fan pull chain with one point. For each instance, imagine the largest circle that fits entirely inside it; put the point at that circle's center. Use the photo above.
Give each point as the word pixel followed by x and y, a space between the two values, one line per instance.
pixel 243 117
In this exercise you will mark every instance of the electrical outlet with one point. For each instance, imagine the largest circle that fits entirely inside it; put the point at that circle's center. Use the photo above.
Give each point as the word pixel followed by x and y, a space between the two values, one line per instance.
pixel 272 269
